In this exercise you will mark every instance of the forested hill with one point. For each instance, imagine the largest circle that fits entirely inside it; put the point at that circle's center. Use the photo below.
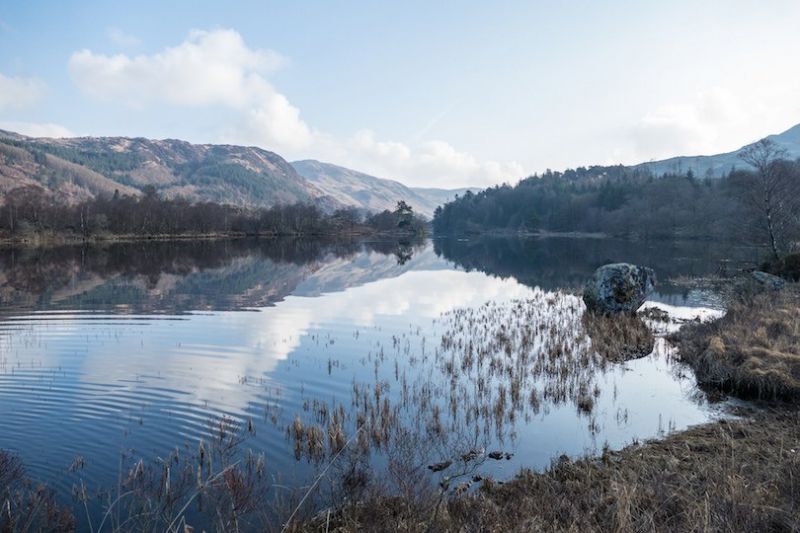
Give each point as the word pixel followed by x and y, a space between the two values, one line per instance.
pixel 621 201
pixel 749 190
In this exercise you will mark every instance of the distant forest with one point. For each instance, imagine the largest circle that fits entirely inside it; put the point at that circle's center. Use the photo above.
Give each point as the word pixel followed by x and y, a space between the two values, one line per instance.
pixel 761 205
pixel 29 212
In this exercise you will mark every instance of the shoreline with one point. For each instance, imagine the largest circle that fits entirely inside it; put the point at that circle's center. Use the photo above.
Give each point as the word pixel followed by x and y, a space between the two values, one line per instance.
pixel 539 234
pixel 73 240
pixel 545 234
pixel 664 481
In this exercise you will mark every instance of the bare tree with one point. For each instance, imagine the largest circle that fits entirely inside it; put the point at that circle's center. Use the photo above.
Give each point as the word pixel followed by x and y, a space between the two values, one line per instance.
pixel 772 191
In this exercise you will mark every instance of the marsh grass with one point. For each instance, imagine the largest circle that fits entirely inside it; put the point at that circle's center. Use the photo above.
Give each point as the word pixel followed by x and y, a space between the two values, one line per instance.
pixel 495 364
pixel 219 484
pixel 732 475
pixel 753 351
pixel 620 338
pixel 26 506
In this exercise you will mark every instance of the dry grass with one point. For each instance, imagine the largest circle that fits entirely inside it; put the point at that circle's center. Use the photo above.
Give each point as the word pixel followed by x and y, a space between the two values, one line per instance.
pixel 620 337
pixel 26 506
pixel 219 485
pixel 754 351
pixel 734 475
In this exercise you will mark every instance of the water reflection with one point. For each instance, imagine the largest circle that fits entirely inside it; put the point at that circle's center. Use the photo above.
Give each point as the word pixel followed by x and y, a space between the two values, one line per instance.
pixel 567 262
pixel 389 346
pixel 173 277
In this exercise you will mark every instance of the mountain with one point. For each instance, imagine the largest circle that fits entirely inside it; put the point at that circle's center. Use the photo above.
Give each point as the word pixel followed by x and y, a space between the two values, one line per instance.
pixel 83 167
pixel 75 169
pixel 353 188
pixel 715 166
pixel 439 197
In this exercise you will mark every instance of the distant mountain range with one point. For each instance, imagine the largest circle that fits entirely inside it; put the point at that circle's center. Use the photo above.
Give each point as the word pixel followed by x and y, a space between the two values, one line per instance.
pixel 74 169
pixel 715 166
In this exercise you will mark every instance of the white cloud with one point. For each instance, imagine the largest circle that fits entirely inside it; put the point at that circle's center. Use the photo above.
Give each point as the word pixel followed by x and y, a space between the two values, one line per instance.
pixel 431 164
pixel 209 68
pixel 36 129
pixel 122 38
pixel 712 121
pixel 217 68
pixel 698 126
pixel 19 93
pixel 272 123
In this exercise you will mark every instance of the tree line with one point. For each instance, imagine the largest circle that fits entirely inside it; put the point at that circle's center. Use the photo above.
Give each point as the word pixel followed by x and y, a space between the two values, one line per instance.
pixel 29 210
pixel 759 205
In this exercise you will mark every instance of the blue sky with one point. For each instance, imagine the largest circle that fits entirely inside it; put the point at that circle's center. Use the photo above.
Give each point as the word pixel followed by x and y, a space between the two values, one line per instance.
pixel 430 93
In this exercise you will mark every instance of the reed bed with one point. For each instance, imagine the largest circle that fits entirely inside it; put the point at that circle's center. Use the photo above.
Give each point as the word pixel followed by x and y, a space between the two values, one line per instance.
pixel 732 475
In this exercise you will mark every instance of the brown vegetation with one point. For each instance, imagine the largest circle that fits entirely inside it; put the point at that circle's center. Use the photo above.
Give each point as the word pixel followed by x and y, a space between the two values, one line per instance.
pixel 28 214
pixel 218 484
pixel 619 338
pixel 26 506
pixel 733 475
pixel 753 351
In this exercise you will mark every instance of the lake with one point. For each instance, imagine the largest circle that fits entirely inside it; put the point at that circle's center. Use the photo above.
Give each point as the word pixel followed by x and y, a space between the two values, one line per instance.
pixel 378 358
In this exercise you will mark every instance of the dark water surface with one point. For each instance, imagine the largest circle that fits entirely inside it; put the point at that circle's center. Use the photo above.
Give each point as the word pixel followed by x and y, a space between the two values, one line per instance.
pixel 113 353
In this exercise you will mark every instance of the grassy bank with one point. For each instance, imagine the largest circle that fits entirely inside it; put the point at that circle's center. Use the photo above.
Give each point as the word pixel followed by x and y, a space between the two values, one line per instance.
pixel 734 475
pixel 753 351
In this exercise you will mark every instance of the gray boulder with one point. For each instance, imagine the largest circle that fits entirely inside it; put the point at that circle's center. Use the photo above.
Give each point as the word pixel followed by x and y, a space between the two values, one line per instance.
pixel 618 288
pixel 768 280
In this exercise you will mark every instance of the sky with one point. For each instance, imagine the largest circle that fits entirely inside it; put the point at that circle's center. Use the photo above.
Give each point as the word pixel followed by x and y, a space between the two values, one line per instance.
pixel 438 94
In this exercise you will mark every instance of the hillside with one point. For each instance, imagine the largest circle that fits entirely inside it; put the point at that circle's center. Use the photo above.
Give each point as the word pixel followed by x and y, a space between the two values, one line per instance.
pixel 355 188
pixel 76 169
pixel 715 166
pixel 80 168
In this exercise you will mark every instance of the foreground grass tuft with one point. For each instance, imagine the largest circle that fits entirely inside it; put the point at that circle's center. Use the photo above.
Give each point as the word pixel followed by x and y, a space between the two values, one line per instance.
pixel 619 338
pixel 754 351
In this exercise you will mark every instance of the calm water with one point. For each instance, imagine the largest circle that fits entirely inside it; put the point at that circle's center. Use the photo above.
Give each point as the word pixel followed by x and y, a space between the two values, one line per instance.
pixel 115 353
